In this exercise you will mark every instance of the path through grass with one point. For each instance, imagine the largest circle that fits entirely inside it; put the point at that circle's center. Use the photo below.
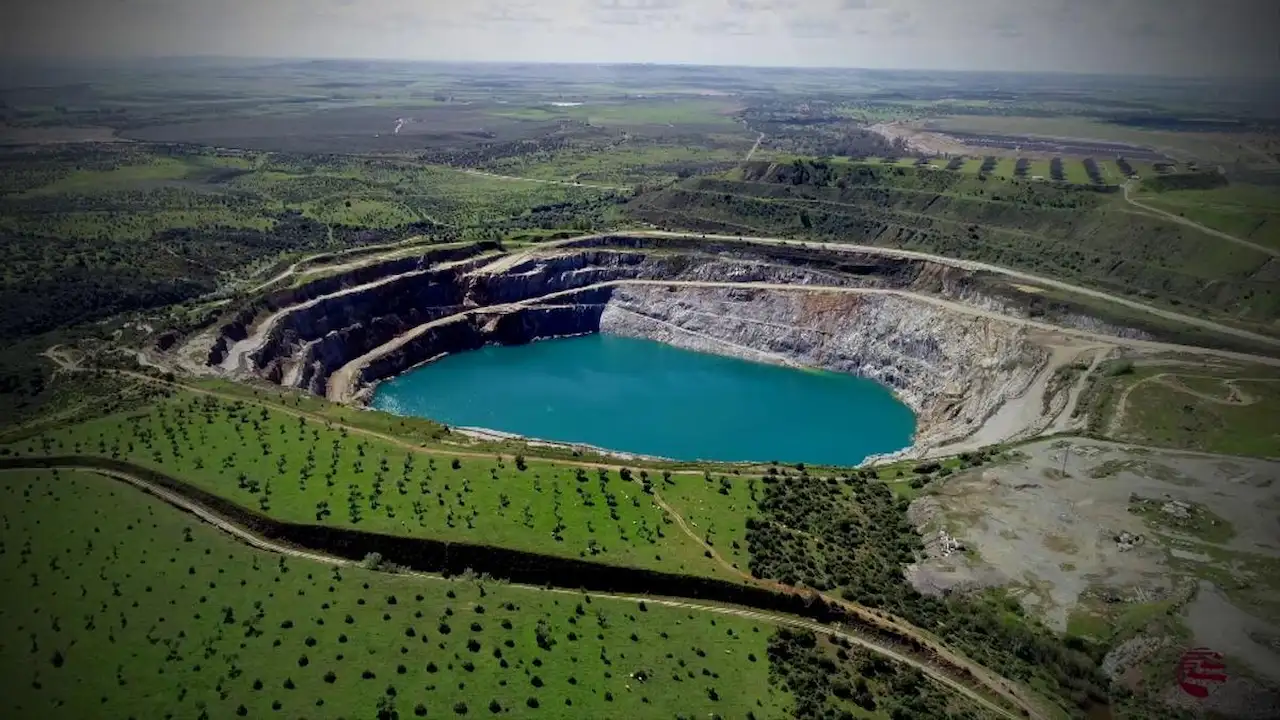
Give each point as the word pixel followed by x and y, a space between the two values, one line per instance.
pixel 121 606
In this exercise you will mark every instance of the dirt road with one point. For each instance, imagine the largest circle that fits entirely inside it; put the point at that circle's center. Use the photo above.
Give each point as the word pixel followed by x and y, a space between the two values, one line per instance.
pixel 393 250
pixel 1236 395
pixel 240 533
pixel 995 684
pixel 565 183
pixel 973 265
pixel 237 355
pixel 1192 224
pixel 341 387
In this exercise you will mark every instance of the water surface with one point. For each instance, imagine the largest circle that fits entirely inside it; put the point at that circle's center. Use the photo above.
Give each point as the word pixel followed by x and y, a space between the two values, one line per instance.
pixel 646 397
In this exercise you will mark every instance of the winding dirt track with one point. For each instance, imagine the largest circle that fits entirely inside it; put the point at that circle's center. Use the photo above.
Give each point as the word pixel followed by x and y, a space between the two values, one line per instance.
pixel 565 183
pixel 1236 397
pixel 342 385
pixel 392 250
pixel 244 535
pixel 1202 228
pixel 990 681
pixel 976 266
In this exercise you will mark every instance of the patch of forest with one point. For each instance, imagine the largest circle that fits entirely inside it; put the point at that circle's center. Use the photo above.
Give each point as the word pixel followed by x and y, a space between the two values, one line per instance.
pixel 849 535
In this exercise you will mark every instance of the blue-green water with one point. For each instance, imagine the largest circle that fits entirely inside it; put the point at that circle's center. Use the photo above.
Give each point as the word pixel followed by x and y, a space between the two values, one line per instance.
pixel 646 397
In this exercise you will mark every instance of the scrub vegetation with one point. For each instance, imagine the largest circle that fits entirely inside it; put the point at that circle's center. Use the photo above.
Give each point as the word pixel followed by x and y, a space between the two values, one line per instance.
pixel 301 471
pixel 125 607
pixel 1069 232
pixel 118 605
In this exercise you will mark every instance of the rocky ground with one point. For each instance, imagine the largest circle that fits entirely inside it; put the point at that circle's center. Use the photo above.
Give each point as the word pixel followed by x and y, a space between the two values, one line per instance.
pixel 1081 529
pixel 972 364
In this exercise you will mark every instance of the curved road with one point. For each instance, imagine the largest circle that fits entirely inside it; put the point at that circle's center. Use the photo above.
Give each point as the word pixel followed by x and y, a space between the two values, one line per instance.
pixel 240 533
pixel 970 265
pixel 342 386
pixel 1192 224
pixel 564 183
pixel 393 249
pixel 889 623
pixel 976 266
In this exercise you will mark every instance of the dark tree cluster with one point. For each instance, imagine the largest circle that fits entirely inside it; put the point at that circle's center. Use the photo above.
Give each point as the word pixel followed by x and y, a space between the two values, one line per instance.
pixel 1095 173
pixel 834 680
pixel 850 536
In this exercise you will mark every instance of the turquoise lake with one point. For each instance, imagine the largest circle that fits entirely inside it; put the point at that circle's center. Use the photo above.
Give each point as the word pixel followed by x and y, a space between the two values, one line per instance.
pixel 650 398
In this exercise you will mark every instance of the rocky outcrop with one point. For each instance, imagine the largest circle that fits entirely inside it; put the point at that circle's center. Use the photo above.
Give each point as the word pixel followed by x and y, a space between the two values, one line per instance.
pixel 469 332
pixel 237 325
pixel 954 370
pixel 935 334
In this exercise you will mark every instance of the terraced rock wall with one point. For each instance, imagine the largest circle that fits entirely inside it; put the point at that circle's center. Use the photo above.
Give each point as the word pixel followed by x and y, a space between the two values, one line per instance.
pixel 950 349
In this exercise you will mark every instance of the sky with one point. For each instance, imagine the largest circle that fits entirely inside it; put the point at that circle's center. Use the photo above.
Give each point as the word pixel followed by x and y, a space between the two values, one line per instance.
pixel 1164 37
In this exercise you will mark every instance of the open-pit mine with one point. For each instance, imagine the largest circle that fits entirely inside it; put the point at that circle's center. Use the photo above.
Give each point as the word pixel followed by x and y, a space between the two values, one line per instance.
pixel 973 354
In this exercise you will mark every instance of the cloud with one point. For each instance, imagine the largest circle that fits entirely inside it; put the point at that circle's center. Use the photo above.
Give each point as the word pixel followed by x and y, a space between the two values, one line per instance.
pixel 511 11
pixel 1006 28
pixel 902 22
pixel 722 27
pixel 813 28
pixel 636 5
pixel 1129 36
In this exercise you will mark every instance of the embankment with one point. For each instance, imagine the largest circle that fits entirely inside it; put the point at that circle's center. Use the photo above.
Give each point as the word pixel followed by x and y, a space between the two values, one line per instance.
pixel 448 559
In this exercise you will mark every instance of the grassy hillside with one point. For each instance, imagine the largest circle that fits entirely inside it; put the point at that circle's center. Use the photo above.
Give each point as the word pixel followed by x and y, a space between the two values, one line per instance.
pixel 1247 211
pixel 127 608
pixel 845 533
pixel 1077 234
pixel 303 472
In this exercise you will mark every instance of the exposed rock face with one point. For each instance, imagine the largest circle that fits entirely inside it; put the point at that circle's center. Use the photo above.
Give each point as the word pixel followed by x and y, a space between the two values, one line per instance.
pixel 237 327
pixel 953 370
pixel 930 332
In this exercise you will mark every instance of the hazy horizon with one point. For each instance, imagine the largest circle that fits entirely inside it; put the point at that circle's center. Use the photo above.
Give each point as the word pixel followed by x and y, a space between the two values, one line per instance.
pixel 1174 38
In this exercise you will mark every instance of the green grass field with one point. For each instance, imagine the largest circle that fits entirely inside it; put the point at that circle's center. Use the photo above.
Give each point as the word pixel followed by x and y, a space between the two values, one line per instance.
pixel 1075 171
pixel 1159 414
pixel 120 606
pixel 1251 212
pixel 622 165
pixel 143 172
pixel 1006 166
pixel 145 194
pixel 1065 231
pixel 301 471
pixel 1229 410
pixel 717 507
